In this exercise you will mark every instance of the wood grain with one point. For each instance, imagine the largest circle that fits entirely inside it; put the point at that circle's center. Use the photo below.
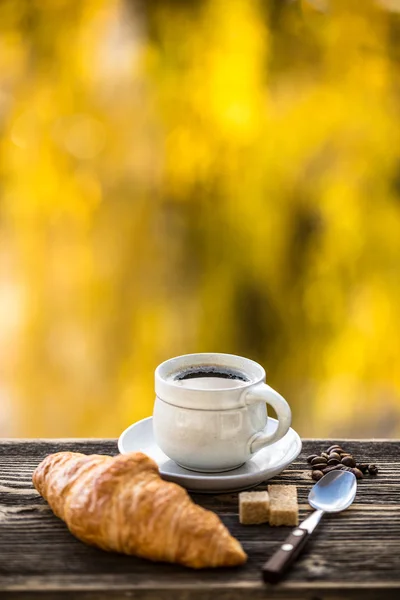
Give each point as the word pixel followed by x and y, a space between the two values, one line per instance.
pixel 355 554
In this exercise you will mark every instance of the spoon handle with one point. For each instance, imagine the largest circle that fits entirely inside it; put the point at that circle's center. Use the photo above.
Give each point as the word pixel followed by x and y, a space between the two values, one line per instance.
pixel 274 569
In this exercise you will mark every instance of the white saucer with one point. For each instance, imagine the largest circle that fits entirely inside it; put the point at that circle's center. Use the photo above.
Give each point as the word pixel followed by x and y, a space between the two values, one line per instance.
pixel 265 464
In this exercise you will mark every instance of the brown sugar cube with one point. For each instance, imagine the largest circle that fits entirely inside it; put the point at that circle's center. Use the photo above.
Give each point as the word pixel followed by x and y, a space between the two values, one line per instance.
pixel 253 508
pixel 283 507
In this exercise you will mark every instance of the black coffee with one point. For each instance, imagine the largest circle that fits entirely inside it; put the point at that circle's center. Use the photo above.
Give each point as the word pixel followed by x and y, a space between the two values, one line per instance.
pixel 210 371
pixel 210 377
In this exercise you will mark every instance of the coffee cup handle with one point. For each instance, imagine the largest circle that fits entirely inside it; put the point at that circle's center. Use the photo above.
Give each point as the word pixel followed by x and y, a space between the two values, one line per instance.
pixel 264 393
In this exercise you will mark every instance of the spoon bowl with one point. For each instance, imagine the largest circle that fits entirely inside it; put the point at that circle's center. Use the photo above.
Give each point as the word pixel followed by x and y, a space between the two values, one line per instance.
pixel 334 492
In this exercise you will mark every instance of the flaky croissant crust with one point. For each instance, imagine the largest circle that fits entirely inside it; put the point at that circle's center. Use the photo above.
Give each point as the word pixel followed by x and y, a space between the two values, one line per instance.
pixel 121 504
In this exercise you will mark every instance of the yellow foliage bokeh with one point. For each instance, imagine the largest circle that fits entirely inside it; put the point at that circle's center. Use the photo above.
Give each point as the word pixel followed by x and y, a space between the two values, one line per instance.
pixel 205 176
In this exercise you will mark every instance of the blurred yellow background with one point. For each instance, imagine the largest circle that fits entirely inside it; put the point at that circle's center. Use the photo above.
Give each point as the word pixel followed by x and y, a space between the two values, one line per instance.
pixel 199 176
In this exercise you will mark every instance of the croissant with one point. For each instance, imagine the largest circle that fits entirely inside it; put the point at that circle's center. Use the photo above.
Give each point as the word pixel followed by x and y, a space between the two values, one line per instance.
pixel 121 504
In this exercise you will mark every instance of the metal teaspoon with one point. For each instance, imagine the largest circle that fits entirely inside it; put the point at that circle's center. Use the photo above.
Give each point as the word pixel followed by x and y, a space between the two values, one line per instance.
pixel 333 493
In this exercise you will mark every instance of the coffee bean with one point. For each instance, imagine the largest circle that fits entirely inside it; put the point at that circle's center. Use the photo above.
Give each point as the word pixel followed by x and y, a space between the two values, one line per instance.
pixel 325 455
pixel 309 458
pixel 343 454
pixel 372 469
pixel 338 467
pixel 348 461
pixel 333 448
pixel 362 466
pixel 317 475
pixel 329 469
pixel 333 461
pixel 357 473
pixel 318 460
pixel 346 468
pixel 318 466
pixel 334 455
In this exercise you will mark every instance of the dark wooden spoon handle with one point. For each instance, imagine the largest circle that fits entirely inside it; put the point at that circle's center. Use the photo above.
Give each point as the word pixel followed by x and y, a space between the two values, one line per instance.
pixel 277 565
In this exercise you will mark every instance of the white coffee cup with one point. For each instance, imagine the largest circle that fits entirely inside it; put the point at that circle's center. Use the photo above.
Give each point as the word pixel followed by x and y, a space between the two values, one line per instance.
pixel 212 422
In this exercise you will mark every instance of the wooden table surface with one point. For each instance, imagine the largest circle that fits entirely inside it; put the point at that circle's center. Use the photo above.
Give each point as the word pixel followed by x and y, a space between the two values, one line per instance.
pixel 355 554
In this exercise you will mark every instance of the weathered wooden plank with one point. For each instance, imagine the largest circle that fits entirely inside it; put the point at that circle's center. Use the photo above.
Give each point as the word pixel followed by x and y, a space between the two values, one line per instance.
pixel 355 554
pixel 307 593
